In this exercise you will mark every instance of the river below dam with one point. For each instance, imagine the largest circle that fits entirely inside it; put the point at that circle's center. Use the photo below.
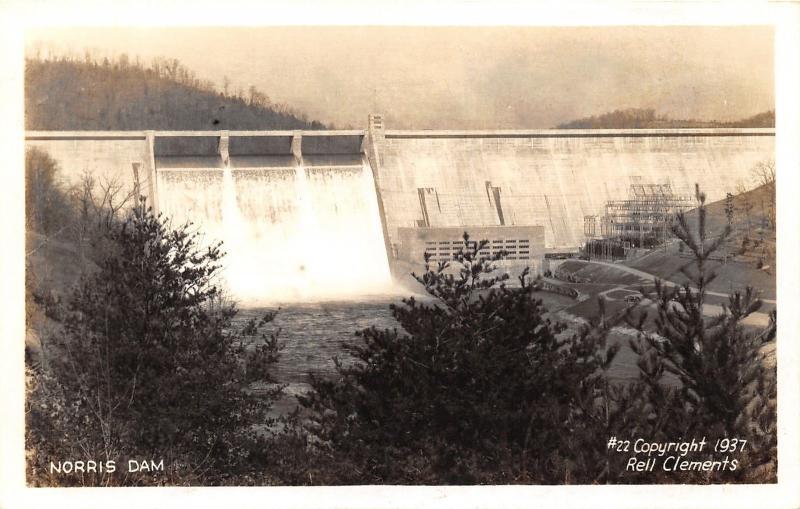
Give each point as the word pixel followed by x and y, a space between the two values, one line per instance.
pixel 312 335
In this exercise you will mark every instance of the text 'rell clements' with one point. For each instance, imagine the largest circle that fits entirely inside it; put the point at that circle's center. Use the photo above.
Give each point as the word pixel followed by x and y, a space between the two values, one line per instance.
pixel 672 456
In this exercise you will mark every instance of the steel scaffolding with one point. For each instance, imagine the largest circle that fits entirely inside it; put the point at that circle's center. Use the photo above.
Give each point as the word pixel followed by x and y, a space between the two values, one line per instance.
pixel 646 216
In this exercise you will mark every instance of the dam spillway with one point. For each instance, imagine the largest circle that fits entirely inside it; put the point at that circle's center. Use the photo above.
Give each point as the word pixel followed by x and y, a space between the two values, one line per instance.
pixel 325 207
pixel 296 226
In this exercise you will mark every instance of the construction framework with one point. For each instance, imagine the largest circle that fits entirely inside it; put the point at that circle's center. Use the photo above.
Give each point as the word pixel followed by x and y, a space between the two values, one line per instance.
pixel 647 214
pixel 644 219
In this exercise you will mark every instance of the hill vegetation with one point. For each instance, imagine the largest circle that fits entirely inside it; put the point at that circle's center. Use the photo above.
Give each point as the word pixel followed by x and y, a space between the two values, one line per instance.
pixel 646 118
pixel 174 386
pixel 70 94
pixel 751 215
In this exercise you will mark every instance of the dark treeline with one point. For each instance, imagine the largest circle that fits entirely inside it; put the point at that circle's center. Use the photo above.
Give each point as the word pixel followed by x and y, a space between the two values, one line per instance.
pixel 638 118
pixel 69 94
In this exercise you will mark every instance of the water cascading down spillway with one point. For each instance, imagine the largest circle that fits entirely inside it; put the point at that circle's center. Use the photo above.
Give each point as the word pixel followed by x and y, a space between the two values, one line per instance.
pixel 292 231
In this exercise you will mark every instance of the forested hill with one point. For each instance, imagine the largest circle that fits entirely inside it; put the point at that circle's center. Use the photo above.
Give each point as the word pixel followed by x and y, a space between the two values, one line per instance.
pixel 635 118
pixel 68 94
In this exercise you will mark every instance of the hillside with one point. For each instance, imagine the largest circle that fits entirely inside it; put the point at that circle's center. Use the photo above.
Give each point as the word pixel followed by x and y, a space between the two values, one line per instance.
pixel 66 94
pixel 752 239
pixel 635 118
pixel 747 258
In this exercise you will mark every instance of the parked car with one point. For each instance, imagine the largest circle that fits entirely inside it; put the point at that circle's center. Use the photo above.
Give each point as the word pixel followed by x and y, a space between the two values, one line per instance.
pixel 678 295
pixel 634 298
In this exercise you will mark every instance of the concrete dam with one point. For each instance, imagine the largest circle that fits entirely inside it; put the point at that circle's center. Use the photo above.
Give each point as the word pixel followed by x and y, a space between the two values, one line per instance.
pixel 310 213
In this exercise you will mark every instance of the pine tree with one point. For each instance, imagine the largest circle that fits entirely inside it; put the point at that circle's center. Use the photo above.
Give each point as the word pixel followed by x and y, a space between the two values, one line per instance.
pixel 726 389
pixel 479 388
pixel 150 366
pixel 47 207
pixel 729 208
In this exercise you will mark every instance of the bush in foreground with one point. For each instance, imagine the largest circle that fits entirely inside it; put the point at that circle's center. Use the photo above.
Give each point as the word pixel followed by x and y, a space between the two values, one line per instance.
pixel 47 204
pixel 479 388
pixel 147 367
pixel 727 389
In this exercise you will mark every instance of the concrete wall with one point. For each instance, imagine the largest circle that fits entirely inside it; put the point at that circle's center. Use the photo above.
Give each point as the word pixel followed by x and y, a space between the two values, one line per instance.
pixel 460 179
pixel 110 155
pixel 523 245
pixel 106 156
pixel 552 178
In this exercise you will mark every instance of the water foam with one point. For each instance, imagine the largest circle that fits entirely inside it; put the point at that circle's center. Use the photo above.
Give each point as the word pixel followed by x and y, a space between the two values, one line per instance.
pixel 290 234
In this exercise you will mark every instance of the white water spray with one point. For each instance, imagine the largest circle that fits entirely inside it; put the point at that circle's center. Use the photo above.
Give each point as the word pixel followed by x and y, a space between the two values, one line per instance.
pixel 290 234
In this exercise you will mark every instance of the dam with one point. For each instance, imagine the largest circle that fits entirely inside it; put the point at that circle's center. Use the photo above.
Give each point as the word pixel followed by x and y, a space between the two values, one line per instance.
pixel 315 212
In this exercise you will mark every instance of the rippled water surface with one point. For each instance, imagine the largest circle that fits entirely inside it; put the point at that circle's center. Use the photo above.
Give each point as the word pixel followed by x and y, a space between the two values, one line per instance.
pixel 313 333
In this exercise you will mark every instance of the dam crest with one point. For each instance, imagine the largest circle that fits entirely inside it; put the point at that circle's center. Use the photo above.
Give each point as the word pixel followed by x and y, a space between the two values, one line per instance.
pixel 313 212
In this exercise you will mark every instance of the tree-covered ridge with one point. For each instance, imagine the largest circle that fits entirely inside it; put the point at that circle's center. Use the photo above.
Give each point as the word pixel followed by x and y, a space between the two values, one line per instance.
pixel 646 118
pixel 70 94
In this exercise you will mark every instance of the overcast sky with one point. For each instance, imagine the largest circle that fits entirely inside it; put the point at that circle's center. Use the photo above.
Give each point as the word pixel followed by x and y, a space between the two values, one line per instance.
pixel 464 78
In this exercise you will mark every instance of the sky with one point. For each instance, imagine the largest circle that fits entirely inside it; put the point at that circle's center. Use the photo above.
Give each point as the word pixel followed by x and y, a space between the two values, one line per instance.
pixel 462 77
